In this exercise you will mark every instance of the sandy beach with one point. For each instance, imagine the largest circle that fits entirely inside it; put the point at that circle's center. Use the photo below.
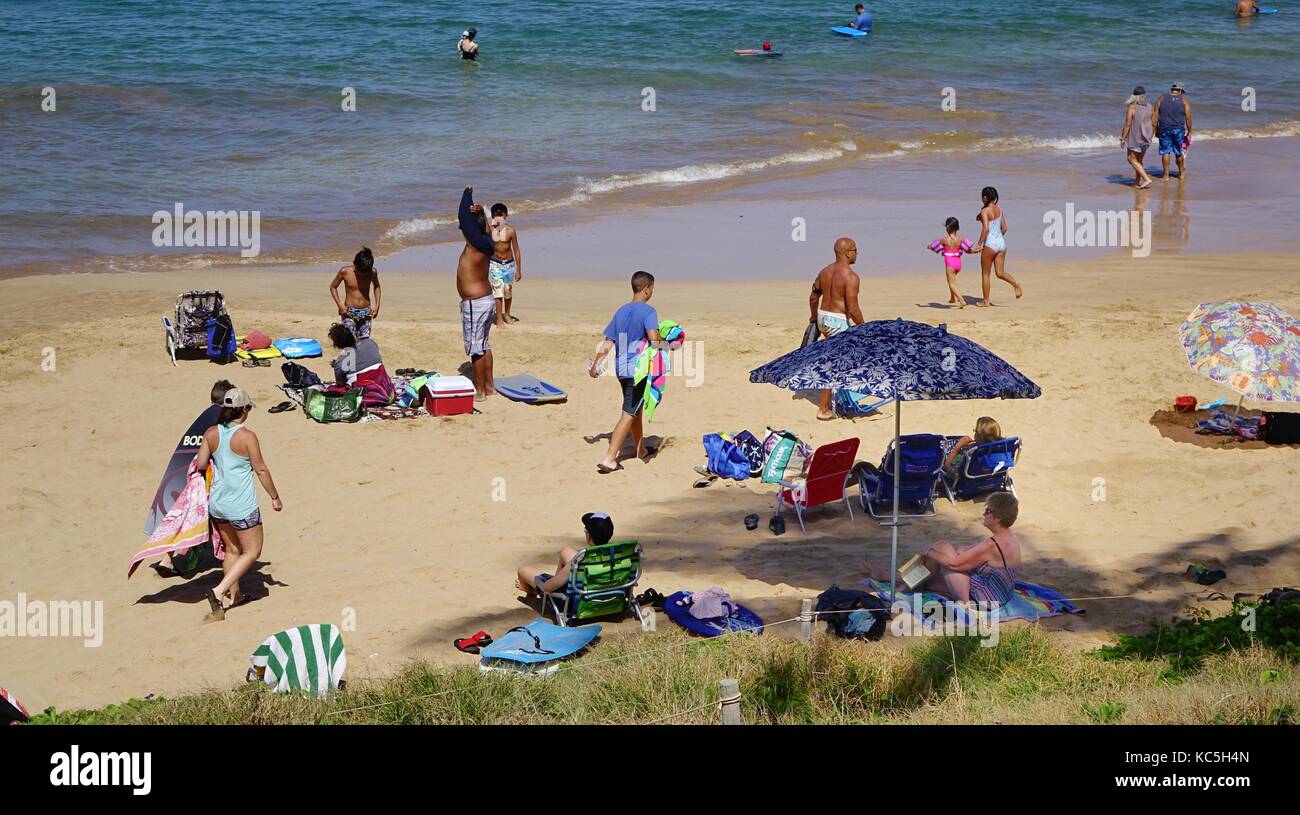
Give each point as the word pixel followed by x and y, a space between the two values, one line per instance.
pixel 396 522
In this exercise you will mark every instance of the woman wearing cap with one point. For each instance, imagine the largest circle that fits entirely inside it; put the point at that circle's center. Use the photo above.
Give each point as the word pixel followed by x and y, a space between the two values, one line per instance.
pixel 534 582
pixel 1138 133
pixel 467 46
pixel 232 504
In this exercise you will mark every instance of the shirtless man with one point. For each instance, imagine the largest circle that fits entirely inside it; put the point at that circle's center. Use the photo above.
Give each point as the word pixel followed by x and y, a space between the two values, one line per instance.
pixel 356 310
pixel 476 301
pixel 506 266
pixel 834 302
pixel 1247 8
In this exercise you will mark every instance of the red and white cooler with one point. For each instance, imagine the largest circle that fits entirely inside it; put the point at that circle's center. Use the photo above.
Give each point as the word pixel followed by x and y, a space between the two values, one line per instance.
pixel 449 396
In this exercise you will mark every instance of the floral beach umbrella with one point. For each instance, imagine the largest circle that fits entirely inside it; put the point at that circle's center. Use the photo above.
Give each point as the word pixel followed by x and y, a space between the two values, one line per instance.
pixel 901 360
pixel 1253 348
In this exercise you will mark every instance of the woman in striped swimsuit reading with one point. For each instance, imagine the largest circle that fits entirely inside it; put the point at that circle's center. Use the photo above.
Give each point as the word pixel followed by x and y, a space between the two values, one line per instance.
pixel 985 572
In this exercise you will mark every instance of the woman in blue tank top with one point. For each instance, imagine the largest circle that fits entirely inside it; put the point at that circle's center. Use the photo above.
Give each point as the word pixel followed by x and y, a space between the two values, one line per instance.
pixel 235 454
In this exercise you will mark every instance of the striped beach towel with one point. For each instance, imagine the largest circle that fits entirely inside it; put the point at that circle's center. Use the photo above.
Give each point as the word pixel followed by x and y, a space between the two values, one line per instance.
pixel 185 525
pixel 654 364
pixel 307 658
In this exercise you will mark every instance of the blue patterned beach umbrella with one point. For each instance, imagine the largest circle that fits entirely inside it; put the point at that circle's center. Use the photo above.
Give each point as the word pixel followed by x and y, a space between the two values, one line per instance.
pixel 900 360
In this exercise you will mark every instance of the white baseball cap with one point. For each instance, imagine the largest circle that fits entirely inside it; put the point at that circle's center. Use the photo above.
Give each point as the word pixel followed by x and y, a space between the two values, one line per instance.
pixel 237 398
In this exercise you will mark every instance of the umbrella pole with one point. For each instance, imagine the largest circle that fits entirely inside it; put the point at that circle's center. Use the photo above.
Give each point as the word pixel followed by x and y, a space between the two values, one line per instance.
pixel 893 549
pixel 1237 412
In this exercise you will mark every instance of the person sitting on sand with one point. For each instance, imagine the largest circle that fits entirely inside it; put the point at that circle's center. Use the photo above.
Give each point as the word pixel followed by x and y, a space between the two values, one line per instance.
pixel 1246 8
pixel 986 429
pixel 1137 135
pixel 536 583
pixel 951 246
pixel 993 243
pixel 236 454
pixel 356 309
pixel 833 302
pixel 359 364
pixel 633 323
pixel 985 572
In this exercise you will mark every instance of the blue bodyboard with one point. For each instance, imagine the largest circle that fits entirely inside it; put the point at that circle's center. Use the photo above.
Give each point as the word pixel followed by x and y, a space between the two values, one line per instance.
pixel 678 609
pixel 540 641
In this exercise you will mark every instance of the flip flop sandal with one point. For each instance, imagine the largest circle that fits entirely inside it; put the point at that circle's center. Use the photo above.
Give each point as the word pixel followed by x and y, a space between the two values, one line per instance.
pixel 603 470
pixel 249 363
pixel 700 483
pixel 215 609
pixel 164 571
pixel 470 645
pixel 283 407
pixel 405 372
pixel 1215 595
pixel 652 598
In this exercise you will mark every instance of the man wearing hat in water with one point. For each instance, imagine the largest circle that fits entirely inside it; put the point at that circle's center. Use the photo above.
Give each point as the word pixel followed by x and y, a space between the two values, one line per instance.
pixel 534 582
pixel 467 47
pixel 1172 119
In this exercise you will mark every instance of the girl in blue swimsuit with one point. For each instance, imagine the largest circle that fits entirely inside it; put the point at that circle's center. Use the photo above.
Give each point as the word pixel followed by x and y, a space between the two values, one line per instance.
pixel 993 243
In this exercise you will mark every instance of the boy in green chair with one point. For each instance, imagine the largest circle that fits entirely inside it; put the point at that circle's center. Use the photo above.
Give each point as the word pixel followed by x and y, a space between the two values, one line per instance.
pixel 536 583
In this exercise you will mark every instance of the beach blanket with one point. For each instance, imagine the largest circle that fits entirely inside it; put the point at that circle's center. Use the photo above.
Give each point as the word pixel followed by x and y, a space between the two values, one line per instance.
pixel 391 412
pixel 308 658
pixel 539 641
pixel 1223 423
pixel 653 364
pixel 678 608
pixel 185 525
pixel 1030 602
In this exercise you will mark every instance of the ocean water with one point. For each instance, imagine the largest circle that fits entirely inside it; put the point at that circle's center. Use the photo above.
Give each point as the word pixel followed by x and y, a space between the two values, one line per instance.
pixel 235 105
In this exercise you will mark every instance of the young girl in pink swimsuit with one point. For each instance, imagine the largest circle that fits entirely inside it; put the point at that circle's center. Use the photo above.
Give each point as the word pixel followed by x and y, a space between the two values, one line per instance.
pixel 951 246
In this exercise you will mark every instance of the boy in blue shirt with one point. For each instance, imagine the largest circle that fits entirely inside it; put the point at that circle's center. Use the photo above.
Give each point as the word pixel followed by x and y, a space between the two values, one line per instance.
pixel 863 21
pixel 632 323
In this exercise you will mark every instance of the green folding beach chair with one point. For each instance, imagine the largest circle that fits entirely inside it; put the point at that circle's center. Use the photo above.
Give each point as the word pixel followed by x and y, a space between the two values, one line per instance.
pixel 601 584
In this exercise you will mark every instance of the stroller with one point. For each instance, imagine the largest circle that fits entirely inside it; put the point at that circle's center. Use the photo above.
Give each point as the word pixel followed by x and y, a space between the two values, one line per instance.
pixel 202 326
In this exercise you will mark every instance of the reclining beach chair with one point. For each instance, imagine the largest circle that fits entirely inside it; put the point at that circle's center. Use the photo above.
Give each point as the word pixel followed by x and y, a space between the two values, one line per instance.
pixel 601 584
pixel 985 468
pixel 188 333
pixel 921 475
pixel 826 481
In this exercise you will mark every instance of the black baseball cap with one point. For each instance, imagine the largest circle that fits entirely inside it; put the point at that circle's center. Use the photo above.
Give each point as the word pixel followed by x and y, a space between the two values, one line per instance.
pixel 599 526
pixel 1139 90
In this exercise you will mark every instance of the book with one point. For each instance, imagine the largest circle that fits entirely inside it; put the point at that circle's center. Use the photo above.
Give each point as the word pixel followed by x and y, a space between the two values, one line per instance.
pixel 914 572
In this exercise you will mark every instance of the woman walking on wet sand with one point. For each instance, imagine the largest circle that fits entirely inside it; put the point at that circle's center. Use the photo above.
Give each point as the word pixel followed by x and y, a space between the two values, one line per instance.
pixel 993 243
pixel 1137 135
pixel 232 504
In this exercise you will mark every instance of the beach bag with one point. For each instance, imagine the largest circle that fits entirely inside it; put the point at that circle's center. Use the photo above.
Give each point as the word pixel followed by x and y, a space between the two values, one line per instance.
pixel 299 376
pixel 221 337
pixel 853 614
pixel 725 457
pixel 1280 428
pixel 783 452
pixel 810 335
pixel 324 406
pixel 753 450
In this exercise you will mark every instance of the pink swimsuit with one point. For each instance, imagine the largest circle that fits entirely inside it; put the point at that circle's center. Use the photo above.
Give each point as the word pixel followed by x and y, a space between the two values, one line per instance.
pixel 951 257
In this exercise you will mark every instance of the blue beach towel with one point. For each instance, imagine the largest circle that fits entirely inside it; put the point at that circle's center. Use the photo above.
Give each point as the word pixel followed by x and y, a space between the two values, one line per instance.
pixel 678 609
pixel 1030 602
pixel 540 641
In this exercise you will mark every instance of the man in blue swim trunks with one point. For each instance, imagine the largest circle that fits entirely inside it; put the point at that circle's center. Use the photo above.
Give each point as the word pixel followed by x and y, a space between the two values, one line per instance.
pixel 1172 118
pixel 833 302
pixel 863 21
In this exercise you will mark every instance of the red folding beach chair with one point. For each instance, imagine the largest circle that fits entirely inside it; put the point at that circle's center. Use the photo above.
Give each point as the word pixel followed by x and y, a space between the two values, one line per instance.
pixel 826 481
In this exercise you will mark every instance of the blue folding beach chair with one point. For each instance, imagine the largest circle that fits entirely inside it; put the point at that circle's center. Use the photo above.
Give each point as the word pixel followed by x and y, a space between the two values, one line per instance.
pixel 601 584
pixel 985 468
pixel 921 475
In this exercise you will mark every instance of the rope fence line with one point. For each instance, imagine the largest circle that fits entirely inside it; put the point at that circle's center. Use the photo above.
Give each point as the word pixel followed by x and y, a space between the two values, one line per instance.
pixel 727 699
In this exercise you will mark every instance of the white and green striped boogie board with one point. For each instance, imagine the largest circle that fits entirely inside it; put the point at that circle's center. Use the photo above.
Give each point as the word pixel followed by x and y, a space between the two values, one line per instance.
pixel 307 658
